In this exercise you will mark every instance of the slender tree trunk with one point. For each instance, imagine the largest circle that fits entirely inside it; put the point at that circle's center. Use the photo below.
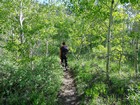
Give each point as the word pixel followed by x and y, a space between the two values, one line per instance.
pixel 120 59
pixel 108 41
pixel 21 19
pixel 122 46
pixel 121 53
pixel 136 56
pixel 31 56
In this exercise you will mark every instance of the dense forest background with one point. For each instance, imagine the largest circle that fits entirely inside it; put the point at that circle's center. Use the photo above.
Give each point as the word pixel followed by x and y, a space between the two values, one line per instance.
pixel 104 55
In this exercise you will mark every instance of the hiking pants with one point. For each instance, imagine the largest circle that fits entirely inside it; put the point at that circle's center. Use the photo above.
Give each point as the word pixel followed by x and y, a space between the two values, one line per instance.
pixel 64 61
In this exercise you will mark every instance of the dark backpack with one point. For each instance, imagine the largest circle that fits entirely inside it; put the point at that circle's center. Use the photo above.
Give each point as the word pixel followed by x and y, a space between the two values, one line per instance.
pixel 65 50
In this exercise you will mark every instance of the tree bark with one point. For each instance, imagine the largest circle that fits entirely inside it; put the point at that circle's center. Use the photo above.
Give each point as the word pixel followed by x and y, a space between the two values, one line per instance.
pixel 136 56
pixel 108 41
pixel 21 19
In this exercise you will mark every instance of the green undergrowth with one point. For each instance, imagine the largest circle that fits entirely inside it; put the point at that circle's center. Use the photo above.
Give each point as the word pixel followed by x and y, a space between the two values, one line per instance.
pixel 23 86
pixel 94 89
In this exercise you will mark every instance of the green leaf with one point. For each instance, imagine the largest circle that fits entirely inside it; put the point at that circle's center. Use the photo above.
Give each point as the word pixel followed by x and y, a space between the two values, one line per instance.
pixel 124 1
pixel 134 1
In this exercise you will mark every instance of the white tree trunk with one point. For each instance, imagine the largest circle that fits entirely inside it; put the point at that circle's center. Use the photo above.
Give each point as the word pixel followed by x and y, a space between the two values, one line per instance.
pixel 21 19
pixel 108 41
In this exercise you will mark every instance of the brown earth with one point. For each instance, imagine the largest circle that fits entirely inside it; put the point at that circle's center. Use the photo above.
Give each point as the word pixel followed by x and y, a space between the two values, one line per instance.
pixel 68 94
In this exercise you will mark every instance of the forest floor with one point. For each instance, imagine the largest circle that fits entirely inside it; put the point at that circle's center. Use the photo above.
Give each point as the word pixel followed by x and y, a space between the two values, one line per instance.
pixel 68 93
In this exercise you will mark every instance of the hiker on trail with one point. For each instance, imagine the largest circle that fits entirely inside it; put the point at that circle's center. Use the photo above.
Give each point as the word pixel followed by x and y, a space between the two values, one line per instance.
pixel 63 54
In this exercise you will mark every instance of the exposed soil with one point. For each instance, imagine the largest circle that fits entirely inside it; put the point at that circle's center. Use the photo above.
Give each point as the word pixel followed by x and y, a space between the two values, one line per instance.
pixel 68 94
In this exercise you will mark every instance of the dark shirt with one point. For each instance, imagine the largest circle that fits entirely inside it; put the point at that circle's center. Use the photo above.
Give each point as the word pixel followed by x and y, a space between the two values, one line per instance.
pixel 63 51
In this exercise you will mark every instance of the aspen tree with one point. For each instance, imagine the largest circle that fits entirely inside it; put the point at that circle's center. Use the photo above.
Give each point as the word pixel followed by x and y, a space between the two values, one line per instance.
pixel 108 41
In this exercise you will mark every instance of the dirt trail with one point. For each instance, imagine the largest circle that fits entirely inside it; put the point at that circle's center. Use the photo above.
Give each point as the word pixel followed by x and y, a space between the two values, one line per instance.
pixel 67 94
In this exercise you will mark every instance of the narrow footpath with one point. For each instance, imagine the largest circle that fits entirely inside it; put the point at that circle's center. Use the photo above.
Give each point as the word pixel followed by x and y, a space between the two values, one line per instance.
pixel 68 94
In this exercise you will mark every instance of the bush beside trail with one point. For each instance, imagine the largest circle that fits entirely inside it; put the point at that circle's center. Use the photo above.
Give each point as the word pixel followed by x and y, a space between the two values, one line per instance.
pixel 22 86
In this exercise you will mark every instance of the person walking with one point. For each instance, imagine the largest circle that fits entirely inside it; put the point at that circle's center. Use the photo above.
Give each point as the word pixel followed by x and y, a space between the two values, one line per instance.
pixel 63 54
